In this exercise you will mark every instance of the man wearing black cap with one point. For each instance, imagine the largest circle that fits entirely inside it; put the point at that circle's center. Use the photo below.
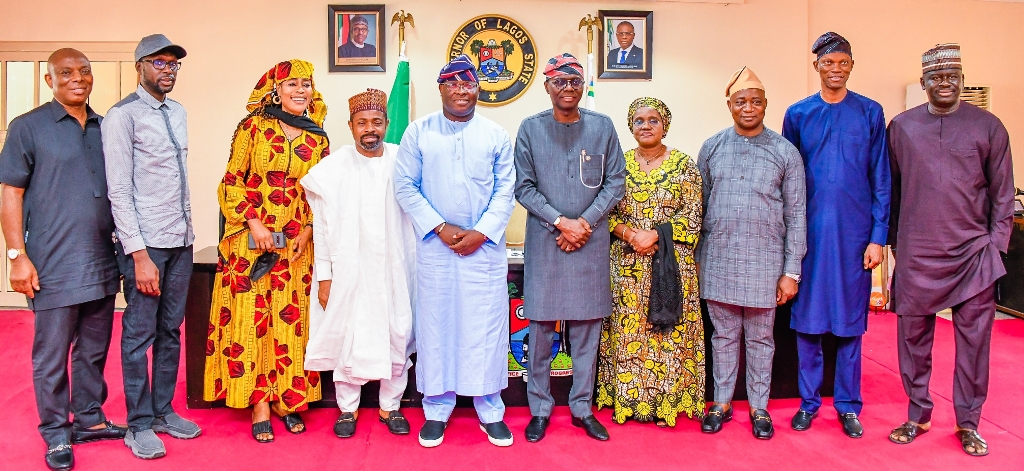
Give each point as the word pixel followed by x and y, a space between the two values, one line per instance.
pixel 57 224
pixel 145 145
pixel 952 212
pixel 841 137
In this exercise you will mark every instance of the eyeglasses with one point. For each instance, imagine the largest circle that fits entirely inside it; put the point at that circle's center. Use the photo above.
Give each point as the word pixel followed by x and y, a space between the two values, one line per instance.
pixel 561 83
pixel 625 34
pixel 467 86
pixel 639 122
pixel 953 78
pixel 159 64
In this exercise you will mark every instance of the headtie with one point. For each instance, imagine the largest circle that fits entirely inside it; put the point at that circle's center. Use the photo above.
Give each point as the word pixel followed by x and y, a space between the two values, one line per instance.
pixel 654 104
pixel 262 95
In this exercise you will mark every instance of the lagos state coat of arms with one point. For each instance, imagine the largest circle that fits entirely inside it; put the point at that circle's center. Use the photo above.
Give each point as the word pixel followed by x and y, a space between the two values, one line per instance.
pixel 504 53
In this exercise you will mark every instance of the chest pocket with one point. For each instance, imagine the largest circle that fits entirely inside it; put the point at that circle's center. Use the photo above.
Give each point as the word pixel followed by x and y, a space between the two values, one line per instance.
pixel 964 165
pixel 591 170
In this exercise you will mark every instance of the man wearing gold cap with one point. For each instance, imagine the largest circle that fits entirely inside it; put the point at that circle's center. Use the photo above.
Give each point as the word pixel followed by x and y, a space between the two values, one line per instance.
pixel 361 327
pixel 752 241
pixel 952 211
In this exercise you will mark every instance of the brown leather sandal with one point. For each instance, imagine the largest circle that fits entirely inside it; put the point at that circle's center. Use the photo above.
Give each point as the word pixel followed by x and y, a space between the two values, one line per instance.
pixel 906 433
pixel 972 443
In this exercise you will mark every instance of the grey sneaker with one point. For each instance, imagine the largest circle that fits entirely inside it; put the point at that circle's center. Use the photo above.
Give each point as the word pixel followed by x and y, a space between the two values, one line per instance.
pixel 176 426
pixel 145 444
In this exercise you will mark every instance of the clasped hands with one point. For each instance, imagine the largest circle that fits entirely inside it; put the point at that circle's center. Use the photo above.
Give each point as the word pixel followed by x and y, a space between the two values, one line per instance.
pixel 574 233
pixel 462 241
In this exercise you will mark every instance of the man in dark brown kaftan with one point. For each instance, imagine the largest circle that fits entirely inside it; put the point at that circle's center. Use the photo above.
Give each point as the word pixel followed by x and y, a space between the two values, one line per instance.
pixel 952 208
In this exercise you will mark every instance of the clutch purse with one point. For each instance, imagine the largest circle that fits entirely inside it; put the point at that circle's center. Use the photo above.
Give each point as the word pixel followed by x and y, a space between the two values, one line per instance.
pixel 263 264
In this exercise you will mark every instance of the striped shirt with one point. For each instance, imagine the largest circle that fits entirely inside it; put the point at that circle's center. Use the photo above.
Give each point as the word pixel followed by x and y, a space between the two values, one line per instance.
pixel 755 217
pixel 145 147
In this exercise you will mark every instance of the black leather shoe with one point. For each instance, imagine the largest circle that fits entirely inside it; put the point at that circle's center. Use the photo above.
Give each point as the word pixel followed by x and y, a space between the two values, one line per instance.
pixel 761 424
pixel 60 457
pixel 593 428
pixel 345 426
pixel 717 416
pixel 802 420
pixel 108 432
pixel 396 422
pixel 851 425
pixel 537 427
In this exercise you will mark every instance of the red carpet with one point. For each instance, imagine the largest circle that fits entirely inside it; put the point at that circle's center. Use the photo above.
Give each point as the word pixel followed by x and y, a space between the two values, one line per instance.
pixel 226 443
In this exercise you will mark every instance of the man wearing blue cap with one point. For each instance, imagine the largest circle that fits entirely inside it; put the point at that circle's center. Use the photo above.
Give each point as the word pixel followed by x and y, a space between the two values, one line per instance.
pixel 841 137
pixel 454 178
pixel 145 146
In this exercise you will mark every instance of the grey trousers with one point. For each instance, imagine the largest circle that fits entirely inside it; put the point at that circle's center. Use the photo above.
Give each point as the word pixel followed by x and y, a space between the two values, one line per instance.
pixel 755 326
pixel 972 330
pixel 84 329
pixel 153 321
pixel 584 338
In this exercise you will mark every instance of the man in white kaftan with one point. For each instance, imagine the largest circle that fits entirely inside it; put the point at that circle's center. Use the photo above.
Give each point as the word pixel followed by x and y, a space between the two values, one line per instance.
pixel 454 178
pixel 364 247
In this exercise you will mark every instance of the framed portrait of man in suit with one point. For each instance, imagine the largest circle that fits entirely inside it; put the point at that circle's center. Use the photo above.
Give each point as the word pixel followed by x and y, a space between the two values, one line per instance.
pixel 625 44
pixel 356 39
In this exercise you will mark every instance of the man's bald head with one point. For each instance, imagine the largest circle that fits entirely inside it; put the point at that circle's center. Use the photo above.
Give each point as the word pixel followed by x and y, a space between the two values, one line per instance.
pixel 69 75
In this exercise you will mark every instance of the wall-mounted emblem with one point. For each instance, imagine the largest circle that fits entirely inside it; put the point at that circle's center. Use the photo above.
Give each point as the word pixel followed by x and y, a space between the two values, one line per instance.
pixel 504 53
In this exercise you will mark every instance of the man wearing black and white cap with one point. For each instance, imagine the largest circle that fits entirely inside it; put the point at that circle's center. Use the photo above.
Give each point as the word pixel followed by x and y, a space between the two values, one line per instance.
pixel 145 147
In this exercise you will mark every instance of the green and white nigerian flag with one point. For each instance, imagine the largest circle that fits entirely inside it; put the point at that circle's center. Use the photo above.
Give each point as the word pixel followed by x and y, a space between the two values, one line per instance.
pixel 590 105
pixel 398 103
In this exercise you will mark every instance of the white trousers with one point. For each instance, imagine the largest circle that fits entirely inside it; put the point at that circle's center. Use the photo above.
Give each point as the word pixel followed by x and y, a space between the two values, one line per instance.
pixel 391 391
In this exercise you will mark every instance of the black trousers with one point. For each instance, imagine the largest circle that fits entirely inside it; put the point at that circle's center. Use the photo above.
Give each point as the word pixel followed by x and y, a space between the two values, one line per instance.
pixel 972 326
pixel 84 330
pixel 153 321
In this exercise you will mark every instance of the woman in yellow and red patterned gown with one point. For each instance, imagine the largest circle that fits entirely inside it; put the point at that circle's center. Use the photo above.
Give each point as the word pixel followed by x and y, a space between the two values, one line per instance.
pixel 258 329
pixel 651 372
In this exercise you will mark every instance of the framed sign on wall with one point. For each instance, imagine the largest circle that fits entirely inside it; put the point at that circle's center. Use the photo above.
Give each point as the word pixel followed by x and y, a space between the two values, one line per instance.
pixel 355 38
pixel 625 48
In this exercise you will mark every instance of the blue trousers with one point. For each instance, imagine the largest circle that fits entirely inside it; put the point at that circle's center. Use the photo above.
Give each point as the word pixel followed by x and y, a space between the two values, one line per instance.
pixel 848 364
pixel 153 321
pixel 489 408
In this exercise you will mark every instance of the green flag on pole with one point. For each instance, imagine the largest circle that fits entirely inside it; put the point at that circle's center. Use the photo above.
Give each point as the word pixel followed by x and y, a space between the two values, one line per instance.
pixel 398 103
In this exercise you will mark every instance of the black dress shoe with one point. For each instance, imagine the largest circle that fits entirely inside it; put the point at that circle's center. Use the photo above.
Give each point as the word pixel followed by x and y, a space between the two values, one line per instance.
pixel 537 427
pixel 761 424
pixel 851 425
pixel 396 422
pixel 593 428
pixel 108 432
pixel 717 416
pixel 802 420
pixel 345 426
pixel 60 457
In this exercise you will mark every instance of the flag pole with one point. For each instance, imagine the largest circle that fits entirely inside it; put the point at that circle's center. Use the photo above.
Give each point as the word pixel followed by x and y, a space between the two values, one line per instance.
pixel 590 22
pixel 398 102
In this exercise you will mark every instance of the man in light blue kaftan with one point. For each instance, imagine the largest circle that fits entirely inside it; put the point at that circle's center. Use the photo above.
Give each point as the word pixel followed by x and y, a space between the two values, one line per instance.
pixel 454 177
pixel 841 137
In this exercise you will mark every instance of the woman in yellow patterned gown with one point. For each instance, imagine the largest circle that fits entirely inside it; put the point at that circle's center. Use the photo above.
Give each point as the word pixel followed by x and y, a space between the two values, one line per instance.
pixel 258 329
pixel 645 373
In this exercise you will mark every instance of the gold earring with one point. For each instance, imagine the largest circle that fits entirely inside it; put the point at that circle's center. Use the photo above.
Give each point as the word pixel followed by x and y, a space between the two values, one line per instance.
pixel 276 99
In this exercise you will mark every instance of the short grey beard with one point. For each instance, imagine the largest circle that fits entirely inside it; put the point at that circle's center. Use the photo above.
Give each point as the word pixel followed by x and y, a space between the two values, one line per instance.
pixel 369 148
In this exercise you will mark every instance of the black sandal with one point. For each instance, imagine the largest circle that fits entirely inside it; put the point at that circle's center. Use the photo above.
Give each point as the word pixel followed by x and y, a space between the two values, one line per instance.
pixel 906 433
pixel 260 428
pixel 291 421
pixel 971 439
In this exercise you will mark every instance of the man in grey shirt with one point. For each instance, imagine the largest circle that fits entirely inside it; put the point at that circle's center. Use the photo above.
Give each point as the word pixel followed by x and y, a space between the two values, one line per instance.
pixel 570 172
pixel 145 144
pixel 753 239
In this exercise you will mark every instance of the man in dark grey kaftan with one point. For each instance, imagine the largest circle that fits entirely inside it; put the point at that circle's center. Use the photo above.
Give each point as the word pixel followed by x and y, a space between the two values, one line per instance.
pixel 952 210
pixel 570 172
